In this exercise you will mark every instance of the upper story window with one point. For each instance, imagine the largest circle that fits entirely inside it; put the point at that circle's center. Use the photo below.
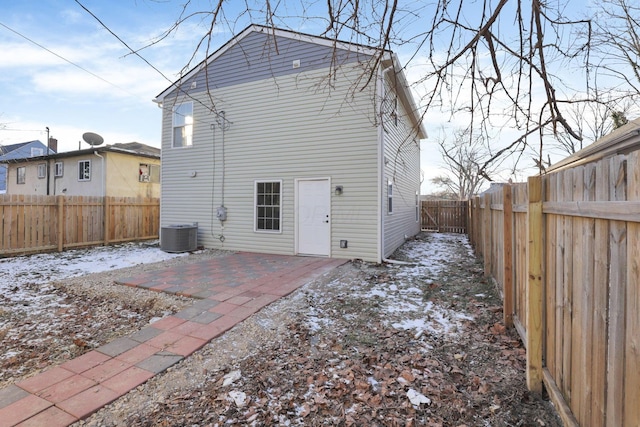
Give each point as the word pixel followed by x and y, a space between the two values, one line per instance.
pixel 58 169
pixel 35 151
pixel 182 125
pixel 84 170
pixel 22 175
pixel 42 170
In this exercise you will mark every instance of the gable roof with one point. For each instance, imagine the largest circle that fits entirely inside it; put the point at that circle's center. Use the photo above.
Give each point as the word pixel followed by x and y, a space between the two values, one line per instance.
pixel 272 32
pixel 6 149
pixel 388 61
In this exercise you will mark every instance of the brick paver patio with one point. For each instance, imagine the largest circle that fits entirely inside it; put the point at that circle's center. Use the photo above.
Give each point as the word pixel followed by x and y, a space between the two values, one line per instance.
pixel 226 290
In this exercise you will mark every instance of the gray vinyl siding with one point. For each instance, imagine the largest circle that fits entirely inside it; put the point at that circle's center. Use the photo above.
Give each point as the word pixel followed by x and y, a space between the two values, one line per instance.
pixel 289 127
pixel 261 56
pixel 402 166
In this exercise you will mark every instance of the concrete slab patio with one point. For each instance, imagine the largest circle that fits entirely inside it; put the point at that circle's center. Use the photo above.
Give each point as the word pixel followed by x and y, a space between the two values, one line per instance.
pixel 226 290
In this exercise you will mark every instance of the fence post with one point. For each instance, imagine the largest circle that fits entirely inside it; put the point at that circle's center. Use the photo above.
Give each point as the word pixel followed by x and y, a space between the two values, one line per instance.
pixel 477 221
pixel 535 232
pixel 61 222
pixel 106 207
pixel 507 311
pixel 468 219
pixel 486 229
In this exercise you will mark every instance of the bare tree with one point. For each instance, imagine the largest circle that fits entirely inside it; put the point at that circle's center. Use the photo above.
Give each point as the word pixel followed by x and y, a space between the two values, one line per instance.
pixel 617 36
pixel 498 64
pixel 465 158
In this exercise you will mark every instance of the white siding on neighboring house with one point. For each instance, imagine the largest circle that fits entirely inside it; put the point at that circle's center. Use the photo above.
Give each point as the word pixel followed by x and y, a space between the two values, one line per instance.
pixel 401 166
pixel 282 128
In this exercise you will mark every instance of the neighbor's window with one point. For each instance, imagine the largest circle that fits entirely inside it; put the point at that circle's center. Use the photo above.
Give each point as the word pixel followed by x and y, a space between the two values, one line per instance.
pixel 417 206
pixel 22 175
pixel 58 169
pixel 389 196
pixel 84 170
pixel 3 178
pixel 35 152
pixel 268 203
pixel 182 125
pixel 42 170
pixel 148 173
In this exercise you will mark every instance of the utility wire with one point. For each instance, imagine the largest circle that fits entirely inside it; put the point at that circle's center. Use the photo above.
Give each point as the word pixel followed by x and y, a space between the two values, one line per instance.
pixel 135 52
pixel 122 41
pixel 65 59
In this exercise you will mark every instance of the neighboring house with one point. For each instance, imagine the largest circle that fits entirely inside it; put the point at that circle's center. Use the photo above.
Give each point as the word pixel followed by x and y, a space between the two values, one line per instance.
pixel 622 140
pixel 299 155
pixel 125 170
pixel 21 151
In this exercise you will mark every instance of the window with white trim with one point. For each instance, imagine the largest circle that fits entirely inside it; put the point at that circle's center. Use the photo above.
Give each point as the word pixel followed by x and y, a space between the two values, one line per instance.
pixel 148 173
pixel 21 173
pixel 84 170
pixel 389 196
pixel 268 202
pixel 417 206
pixel 58 169
pixel 182 125
pixel 35 151
pixel 42 170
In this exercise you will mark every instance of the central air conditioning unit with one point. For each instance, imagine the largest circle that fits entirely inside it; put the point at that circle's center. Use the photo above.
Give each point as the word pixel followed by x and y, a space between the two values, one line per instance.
pixel 179 238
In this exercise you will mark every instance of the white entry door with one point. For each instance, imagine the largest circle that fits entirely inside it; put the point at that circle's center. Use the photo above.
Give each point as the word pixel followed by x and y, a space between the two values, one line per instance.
pixel 314 222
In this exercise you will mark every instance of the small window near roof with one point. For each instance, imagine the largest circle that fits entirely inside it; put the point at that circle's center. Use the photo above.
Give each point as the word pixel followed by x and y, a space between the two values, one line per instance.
pixel 84 170
pixel 148 173
pixel 42 170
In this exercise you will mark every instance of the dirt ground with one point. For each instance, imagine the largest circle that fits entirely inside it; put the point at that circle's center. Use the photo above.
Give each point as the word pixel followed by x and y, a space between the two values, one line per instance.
pixel 335 353
pixel 368 344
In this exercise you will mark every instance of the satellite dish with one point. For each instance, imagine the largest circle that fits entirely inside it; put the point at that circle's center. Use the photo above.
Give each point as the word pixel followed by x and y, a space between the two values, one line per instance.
pixel 92 138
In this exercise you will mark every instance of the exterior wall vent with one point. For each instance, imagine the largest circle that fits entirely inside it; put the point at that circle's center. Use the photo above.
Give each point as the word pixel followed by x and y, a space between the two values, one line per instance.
pixel 179 238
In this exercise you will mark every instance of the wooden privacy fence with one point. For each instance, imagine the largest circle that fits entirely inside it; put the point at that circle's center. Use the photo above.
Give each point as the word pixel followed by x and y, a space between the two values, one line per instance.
pixel 565 248
pixel 30 224
pixel 445 216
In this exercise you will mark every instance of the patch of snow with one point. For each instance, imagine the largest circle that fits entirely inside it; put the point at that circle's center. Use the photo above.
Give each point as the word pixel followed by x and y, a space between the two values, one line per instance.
pixel 25 287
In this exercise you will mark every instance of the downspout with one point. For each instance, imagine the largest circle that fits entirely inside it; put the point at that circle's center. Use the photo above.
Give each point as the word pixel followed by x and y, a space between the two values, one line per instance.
pixel 381 166
pixel 104 174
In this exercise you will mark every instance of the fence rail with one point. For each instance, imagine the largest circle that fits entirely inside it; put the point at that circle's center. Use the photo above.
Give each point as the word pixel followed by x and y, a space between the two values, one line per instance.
pixel 30 224
pixel 565 250
pixel 445 216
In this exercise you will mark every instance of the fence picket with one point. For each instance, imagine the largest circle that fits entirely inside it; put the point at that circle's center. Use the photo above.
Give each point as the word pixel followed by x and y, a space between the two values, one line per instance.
pixel 632 353
pixel 588 330
pixel 31 224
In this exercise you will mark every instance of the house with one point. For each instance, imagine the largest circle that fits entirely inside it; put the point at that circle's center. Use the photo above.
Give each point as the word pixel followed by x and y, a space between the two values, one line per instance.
pixel 285 143
pixel 125 170
pixel 20 151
